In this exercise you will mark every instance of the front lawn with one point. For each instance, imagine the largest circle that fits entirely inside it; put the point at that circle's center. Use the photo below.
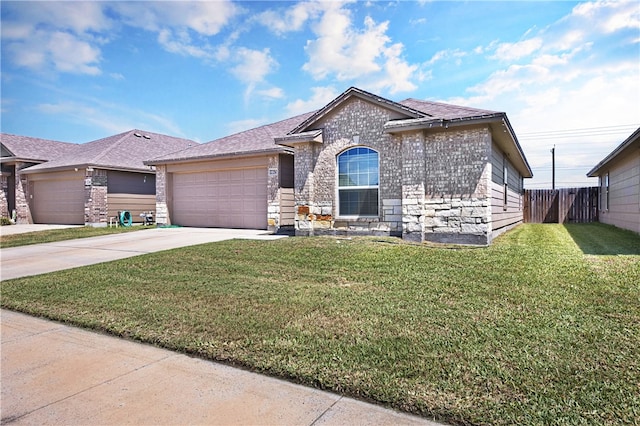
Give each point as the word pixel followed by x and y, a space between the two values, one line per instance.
pixel 528 331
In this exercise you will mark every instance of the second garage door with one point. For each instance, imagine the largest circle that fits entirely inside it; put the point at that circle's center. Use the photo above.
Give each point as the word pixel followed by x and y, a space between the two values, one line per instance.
pixel 221 199
pixel 59 201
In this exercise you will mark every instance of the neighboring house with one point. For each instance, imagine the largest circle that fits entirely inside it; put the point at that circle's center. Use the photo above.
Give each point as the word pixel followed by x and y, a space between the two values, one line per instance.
pixel 17 153
pixel 361 165
pixel 88 183
pixel 619 174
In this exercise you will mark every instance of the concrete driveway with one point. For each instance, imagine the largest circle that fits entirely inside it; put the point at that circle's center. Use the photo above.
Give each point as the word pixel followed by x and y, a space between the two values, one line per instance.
pixel 37 259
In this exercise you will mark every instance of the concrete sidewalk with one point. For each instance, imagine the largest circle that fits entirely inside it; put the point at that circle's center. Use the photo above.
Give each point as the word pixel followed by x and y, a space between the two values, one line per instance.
pixel 38 259
pixel 56 374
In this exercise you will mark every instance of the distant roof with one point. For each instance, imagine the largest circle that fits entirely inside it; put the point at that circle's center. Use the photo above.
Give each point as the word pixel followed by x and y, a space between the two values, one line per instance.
pixel 124 151
pixel 633 138
pixel 253 141
pixel 29 149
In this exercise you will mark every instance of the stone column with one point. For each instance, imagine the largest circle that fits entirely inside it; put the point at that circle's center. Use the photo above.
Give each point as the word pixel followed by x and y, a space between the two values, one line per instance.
pixel 23 209
pixel 95 201
pixel 162 199
pixel 4 195
pixel 304 188
pixel 273 193
pixel 413 186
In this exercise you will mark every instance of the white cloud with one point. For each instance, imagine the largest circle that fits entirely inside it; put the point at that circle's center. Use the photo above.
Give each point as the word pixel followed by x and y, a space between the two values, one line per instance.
pixel 72 55
pixel 180 43
pixel 273 93
pixel 567 78
pixel 203 17
pixel 517 50
pixel 253 65
pixel 319 98
pixel 293 19
pixel 344 52
pixel 58 35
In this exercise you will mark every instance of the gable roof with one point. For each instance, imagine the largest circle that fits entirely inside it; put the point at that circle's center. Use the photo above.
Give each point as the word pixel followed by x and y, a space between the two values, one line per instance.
pixel 351 92
pixel 249 142
pixel 32 150
pixel 634 138
pixel 124 151
pixel 419 114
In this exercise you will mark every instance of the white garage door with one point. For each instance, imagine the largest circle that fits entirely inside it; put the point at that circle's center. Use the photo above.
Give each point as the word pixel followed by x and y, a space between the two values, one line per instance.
pixel 221 199
pixel 58 201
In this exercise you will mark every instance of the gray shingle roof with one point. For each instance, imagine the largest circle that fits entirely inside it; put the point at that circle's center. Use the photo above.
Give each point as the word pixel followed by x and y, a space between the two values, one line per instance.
pixel 124 151
pixel 258 140
pixel 35 149
pixel 439 110
pixel 261 139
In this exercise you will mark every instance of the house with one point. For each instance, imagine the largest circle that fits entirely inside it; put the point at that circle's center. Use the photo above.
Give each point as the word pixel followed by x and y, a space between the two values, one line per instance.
pixel 17 153
pixel 619 182
pixel 83 183
pixel 361 165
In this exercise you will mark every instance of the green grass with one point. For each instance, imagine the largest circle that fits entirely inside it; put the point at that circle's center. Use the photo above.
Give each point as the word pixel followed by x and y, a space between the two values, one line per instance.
pixel 530 330
pixel 54 235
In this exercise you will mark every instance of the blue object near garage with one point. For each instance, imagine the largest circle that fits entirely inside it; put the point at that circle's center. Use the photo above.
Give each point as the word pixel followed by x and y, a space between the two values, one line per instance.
pixel 124 217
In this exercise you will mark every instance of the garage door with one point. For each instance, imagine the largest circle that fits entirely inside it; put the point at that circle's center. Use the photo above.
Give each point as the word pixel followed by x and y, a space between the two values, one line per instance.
pixel 58 201
pixel 221 199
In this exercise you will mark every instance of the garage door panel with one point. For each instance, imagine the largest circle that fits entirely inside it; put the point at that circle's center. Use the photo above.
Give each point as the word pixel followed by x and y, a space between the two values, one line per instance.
pixel 223 198
pixel 58 201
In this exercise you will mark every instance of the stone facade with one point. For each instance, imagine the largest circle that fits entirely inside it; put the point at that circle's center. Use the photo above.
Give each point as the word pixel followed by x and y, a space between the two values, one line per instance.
pixel 95 197
pixel 23 209
pixel 434 185
pixel 4 195
pixel 162 207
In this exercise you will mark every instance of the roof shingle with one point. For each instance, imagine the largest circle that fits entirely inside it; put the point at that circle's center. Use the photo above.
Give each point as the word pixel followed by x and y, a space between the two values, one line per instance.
pixel 124 151
pixel 36 149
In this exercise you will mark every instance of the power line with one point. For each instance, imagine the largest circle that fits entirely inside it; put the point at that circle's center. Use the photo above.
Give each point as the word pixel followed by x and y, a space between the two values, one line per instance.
pixel 579 133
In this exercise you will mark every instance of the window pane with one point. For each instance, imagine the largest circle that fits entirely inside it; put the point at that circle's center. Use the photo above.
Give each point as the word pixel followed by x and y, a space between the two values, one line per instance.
pixel 358 167
pixel 358 202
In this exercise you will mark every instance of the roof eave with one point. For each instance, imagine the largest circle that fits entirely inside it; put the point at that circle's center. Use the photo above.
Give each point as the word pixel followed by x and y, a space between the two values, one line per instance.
pixel 595 172
pixel 86 166
pixel 315 136
pixel 237 154
pixel 354 91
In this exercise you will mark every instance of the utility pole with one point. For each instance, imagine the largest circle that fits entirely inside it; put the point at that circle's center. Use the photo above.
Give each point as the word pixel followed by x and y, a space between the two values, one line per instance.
pixel 553 168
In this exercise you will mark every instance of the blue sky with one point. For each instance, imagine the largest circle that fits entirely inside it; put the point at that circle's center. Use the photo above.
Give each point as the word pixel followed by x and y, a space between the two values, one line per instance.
pixel 566 73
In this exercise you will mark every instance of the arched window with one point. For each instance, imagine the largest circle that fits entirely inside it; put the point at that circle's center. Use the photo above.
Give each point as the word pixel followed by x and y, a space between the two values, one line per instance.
pixel 358 178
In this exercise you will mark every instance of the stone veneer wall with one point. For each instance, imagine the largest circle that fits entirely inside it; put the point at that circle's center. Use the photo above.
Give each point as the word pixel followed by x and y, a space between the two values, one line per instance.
pixel 162 206
pixel 356 123
pixel 434 185
pixel 458 186
pixel 95 197
pixel 4 195
pixel 23 210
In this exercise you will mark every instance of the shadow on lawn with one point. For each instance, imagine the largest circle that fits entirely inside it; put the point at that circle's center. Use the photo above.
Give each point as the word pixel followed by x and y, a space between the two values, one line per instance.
pixel 601 239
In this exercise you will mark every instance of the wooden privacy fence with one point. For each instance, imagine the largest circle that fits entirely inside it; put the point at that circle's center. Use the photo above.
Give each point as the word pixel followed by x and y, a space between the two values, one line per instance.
pixel 565 205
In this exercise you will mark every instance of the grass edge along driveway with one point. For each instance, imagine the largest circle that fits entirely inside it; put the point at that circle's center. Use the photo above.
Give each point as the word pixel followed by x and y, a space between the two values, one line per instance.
pixel 528 331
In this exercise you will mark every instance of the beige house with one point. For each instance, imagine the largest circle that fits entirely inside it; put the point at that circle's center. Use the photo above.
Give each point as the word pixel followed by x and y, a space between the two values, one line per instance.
pixel 619 174
pixel 81 184
pixel 361 165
